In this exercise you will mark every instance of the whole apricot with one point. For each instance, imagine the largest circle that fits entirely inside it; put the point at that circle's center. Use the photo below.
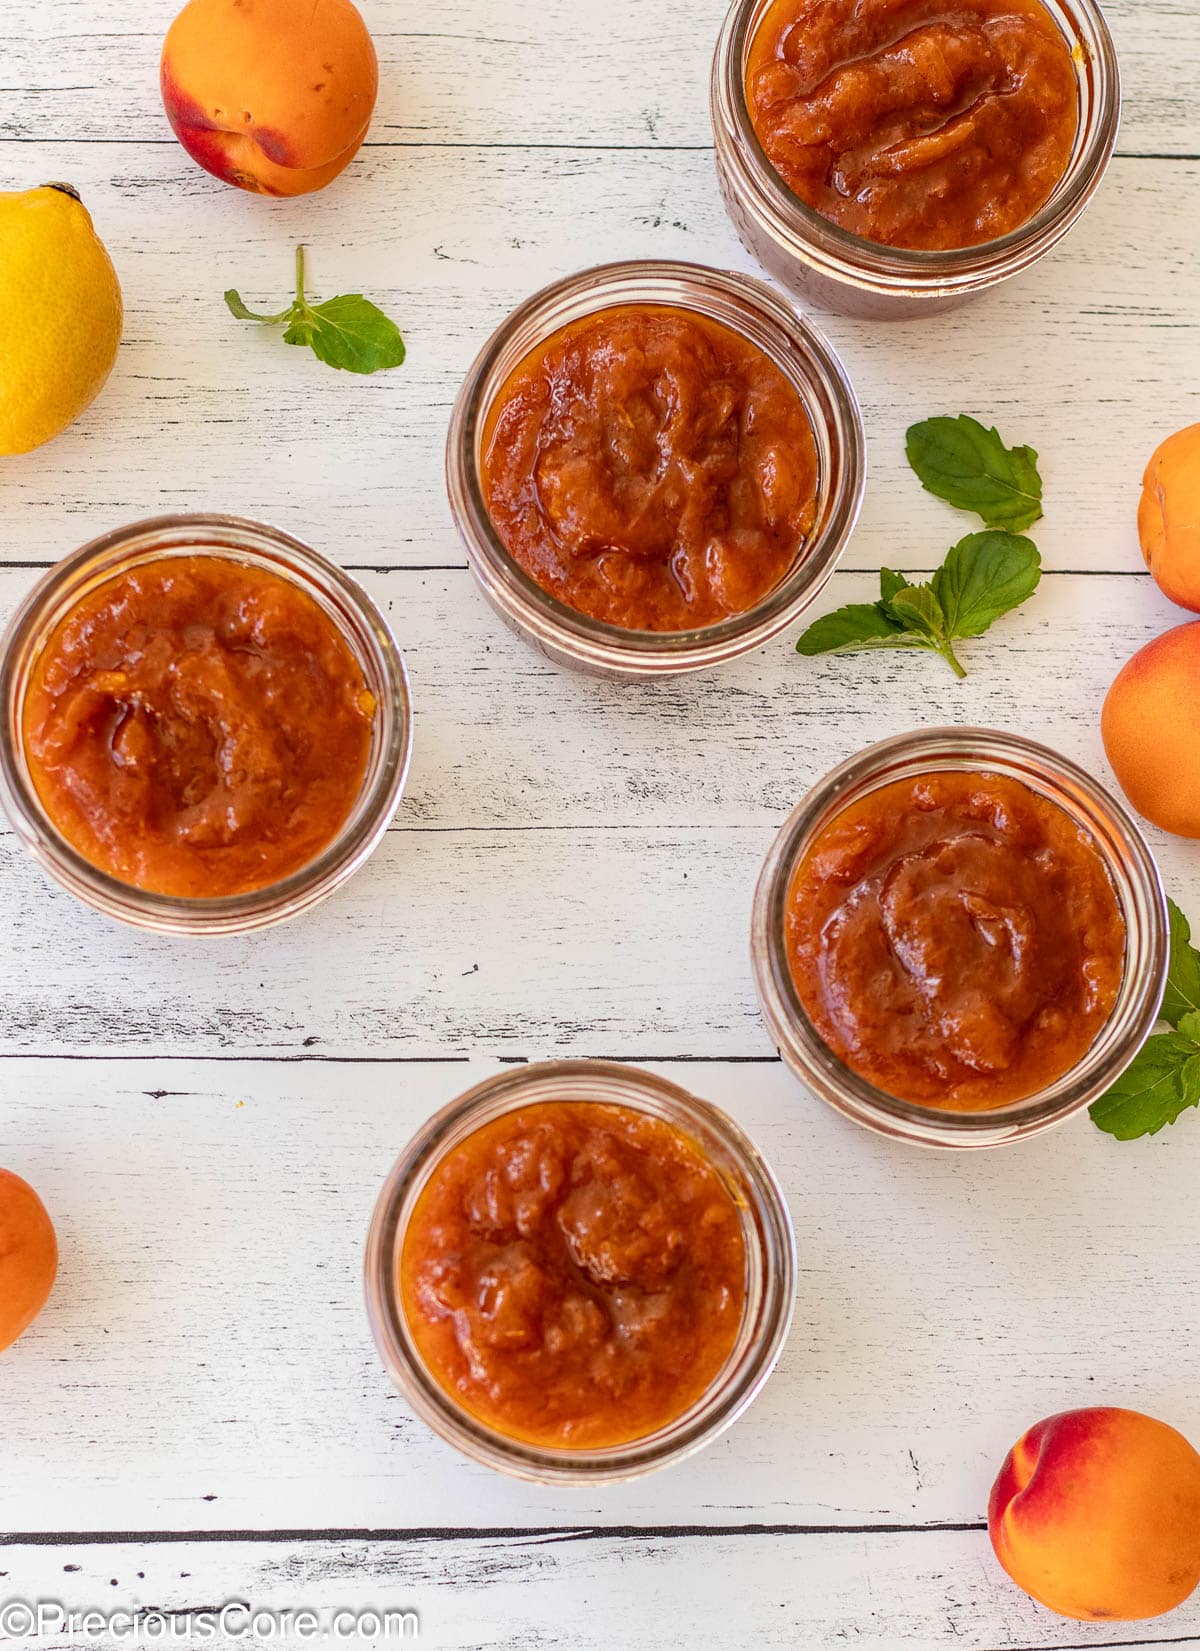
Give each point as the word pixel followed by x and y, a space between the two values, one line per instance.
pixel 1096 1513
pixel 1169 517
pixel 28 1257
pixel 1151 730
pixel 274 96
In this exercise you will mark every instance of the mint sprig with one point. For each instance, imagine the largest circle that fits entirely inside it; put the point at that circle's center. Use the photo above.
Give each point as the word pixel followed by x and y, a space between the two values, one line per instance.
pixel 1182 996
pixel 968 465
pixel 984 576
pixel 1163 1080
pixel 349 332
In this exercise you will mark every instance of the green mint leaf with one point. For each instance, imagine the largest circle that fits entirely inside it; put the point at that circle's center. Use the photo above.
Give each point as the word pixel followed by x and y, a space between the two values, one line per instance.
pixel 918 609
pixel 984 576
pixel 299 329
pixel 1189 1027
pixel 961 461
pixel 353 334
pixel 912 619
pixel 1183 972
pixel 1159 1086
pixel 349 332
pixel 861 625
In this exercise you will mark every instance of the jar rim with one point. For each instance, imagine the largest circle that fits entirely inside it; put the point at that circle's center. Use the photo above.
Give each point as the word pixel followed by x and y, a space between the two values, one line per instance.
pixel 363 627
pixel 1136 881
pixel 765 1219
pixel 764 318
pixel 839 254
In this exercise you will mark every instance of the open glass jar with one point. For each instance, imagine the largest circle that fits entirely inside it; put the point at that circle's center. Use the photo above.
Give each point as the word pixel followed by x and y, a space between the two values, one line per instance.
pixel 770 1252
pixel 747 307
pixel 341 599
pixel 1125 856
pixel 839 271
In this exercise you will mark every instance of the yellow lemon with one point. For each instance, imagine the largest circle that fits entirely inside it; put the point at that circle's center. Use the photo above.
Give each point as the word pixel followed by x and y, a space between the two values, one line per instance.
pixel 61 303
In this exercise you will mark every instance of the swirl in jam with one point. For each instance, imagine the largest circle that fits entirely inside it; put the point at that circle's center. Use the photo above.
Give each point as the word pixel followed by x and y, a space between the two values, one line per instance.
pixel 956 940
pixel 197 727
pixel 651 468
pixel 927 124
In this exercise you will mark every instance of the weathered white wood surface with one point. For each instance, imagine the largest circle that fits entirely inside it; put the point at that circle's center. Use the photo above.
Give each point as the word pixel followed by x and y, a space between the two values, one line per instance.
pixel 630 73
pixel 508 1591
pixel 1085 359
pixel 207 1358
pixel 573 867
pixel 570 872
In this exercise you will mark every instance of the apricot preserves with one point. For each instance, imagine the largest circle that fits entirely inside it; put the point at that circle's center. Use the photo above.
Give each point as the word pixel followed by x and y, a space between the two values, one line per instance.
pixel 574 1274
pixel 197 727
pixel 956 940
pixel 927 124
pixel 651 468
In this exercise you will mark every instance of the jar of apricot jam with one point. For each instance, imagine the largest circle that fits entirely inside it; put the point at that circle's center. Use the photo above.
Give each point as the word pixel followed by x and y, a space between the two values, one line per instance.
pixel 580 1272
pixel 206 725
pixel 959 938
pixel 891 158
pixel 654 468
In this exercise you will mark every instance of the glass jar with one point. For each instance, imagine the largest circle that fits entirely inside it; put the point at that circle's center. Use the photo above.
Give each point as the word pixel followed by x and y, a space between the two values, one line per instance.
pixel 358 619
pixel 840 271
pixel 764 318
pixel 770 1269
pixel 1135 879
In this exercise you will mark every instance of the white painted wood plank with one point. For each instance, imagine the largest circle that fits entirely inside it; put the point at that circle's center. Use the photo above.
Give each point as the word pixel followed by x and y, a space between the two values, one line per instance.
pixel 204 1363
pixel 899 1592
pixel 617 941
pixel 495 71
pixel 1091 359
pixel 505 740
pixel 573 869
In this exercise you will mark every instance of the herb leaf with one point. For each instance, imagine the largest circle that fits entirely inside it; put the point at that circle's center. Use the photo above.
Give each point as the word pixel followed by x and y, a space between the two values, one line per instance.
pixel 1164 1078
pixel 860 625
pixel 1160 1085
pixel 984 576
pixel 1183 972
pixel 968 465
pixel 349 332
pixel 918 609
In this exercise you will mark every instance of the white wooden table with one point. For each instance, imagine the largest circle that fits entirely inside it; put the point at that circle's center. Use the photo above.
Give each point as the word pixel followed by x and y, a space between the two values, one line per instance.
pixel 200 1416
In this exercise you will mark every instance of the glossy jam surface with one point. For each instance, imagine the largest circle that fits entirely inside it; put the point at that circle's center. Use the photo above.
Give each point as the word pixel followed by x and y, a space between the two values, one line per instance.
pixel 573 1274
pixel 956 940
pixel 927 124
pixel 651 468
pixel 198 727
